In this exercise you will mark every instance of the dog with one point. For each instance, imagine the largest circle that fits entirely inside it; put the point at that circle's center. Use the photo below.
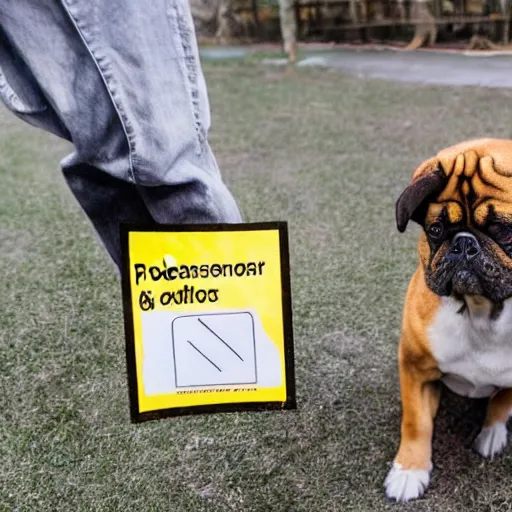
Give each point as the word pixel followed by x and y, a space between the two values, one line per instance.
pixel 457 317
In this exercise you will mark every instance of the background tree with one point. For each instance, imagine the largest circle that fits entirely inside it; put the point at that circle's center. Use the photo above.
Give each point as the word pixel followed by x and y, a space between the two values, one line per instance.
pixel 288 22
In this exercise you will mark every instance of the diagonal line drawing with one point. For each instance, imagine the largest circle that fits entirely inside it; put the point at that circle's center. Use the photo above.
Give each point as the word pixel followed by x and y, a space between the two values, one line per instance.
pixel 206 357
pixel 217 336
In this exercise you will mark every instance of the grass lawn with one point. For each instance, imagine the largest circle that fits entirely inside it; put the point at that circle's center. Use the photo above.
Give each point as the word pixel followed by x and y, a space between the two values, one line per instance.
pixel 329 154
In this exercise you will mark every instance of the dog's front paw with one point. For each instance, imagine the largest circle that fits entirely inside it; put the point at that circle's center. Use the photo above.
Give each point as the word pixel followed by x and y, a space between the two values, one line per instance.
pixel 491 440
pixel 406 484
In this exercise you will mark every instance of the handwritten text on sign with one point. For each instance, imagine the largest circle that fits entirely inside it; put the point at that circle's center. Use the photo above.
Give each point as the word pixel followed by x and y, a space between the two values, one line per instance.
pixel 189 294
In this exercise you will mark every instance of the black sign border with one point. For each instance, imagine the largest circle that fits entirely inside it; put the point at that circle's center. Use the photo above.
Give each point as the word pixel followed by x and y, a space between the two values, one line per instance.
pixel 291 401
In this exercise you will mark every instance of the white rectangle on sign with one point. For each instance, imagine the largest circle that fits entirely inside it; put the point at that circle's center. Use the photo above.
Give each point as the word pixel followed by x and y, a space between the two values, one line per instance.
pixel 214 349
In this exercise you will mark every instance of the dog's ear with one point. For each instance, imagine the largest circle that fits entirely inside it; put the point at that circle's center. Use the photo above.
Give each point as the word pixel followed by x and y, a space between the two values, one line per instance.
pixel 428 180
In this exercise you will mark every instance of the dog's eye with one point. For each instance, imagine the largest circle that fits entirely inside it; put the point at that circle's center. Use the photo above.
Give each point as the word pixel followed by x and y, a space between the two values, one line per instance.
pixel 502 233
pixel 435 230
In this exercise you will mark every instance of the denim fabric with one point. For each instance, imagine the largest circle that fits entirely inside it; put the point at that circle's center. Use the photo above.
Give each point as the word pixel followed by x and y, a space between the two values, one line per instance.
pixel 120 79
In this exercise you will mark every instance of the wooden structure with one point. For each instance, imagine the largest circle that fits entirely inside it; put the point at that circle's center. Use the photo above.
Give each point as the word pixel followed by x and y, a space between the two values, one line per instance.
pixel 364 20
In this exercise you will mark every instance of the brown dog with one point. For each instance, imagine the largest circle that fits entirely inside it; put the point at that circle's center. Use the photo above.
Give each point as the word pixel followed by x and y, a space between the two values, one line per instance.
pixel 457 322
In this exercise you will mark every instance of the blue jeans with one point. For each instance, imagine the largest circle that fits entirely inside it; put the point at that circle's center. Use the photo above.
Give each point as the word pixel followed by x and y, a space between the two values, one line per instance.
pixel 121 80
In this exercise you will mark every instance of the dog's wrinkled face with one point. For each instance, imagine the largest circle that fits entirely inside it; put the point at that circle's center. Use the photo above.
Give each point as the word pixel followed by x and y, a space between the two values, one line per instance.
pixel 464 204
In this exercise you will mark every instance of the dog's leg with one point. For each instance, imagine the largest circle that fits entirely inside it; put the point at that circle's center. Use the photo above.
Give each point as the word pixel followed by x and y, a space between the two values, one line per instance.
pixel 410 474
pixel 493 436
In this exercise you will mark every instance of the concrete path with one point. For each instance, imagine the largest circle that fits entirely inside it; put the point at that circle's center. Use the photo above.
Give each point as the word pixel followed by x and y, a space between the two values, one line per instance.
pixel 427 67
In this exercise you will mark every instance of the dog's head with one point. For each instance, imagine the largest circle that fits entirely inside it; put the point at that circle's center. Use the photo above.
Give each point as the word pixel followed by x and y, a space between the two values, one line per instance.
pixel 463 200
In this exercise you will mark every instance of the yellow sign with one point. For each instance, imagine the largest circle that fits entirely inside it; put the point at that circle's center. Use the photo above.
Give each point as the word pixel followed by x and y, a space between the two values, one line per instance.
pixel 207 319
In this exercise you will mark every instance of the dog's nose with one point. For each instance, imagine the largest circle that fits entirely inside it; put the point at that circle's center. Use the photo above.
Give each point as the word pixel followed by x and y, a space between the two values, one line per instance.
pixel 465 245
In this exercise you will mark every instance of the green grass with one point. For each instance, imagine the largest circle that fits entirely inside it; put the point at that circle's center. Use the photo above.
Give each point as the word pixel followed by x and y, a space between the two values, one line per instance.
pixel 329 154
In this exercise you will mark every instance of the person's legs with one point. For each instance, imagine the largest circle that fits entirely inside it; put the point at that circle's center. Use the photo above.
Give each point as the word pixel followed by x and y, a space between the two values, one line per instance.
pixel 122 80
pixel 109 201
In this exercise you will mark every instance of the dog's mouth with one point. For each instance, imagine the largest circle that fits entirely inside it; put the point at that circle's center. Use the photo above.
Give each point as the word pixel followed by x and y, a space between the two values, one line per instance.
pixel 465 282
pixel 473 279
pixel 458 278
pixel 452 278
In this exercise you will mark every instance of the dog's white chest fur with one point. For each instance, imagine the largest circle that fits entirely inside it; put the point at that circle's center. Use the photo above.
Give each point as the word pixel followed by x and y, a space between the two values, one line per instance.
pixel 473 350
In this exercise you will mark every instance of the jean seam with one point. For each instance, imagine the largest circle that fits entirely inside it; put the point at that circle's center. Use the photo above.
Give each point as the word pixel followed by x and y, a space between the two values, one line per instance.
pixel 105 70
pixel 182 34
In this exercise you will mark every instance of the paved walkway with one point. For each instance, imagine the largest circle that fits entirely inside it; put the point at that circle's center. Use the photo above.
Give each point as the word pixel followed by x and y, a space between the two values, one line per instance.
pixel 428 67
